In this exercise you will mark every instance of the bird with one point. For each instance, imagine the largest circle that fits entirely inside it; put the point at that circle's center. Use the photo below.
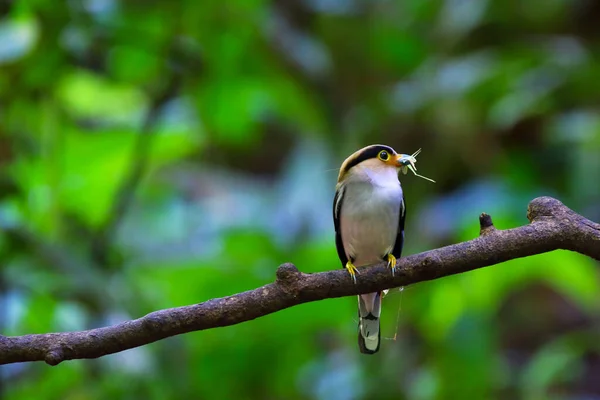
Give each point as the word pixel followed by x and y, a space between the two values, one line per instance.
pixel 369 211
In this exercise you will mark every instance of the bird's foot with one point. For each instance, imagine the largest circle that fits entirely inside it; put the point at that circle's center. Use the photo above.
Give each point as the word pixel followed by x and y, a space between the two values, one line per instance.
pixel 352 270
pixel 392 263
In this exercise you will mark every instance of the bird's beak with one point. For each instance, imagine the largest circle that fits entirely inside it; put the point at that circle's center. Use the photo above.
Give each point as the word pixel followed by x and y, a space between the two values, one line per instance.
pixel 404 160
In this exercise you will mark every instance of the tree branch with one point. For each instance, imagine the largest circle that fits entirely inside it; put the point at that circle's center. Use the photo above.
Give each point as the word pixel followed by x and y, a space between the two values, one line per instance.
pixel 552 226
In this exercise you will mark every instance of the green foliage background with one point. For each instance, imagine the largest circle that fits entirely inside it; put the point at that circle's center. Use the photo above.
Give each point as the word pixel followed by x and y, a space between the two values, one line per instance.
pixel 161 153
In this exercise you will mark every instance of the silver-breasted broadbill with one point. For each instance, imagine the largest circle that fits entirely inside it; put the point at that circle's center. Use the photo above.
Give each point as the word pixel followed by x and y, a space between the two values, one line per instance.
pixel 368 214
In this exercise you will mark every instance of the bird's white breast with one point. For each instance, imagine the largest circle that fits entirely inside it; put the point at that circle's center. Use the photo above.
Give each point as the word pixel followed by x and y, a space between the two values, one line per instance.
pixel 369 214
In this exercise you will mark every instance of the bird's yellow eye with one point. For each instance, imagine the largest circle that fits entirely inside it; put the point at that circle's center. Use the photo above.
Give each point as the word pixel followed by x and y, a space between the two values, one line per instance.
pixel 383 155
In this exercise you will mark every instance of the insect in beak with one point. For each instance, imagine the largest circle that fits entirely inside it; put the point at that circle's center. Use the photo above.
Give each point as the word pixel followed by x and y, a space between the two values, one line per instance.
pixel 407 162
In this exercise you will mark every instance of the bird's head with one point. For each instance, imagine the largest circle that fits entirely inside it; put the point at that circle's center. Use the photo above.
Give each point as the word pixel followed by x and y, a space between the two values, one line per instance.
pixel 375 158
pixel 378 159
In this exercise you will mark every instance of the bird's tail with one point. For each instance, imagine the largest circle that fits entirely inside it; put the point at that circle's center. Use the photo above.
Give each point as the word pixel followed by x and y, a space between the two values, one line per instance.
pixel 369 310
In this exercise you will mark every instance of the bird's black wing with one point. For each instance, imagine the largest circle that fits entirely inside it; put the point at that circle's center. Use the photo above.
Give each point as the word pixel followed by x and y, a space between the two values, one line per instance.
pixel 337 208
pixel 397 250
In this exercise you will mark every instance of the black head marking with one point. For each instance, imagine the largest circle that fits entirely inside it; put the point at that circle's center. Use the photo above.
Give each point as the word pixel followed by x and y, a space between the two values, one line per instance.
pixel 366 153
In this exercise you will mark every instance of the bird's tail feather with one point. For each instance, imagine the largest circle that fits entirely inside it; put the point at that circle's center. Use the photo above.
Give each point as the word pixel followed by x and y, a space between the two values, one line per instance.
pixel 369 311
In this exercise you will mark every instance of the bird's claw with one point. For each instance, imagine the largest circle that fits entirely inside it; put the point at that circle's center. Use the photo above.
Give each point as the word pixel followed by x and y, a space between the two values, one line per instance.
pixel 392 263
pixel 352 270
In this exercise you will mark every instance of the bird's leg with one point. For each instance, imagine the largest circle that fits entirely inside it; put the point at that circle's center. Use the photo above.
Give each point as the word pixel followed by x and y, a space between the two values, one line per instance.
pixel 352 270
pixel 392 262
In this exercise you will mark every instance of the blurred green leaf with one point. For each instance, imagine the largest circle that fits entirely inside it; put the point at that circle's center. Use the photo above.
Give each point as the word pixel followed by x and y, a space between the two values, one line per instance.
pixel 558 362
pixel 88 95
pixel 134 65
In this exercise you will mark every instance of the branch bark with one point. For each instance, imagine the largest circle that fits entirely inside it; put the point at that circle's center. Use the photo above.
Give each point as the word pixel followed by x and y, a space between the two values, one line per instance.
pixel 552 226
